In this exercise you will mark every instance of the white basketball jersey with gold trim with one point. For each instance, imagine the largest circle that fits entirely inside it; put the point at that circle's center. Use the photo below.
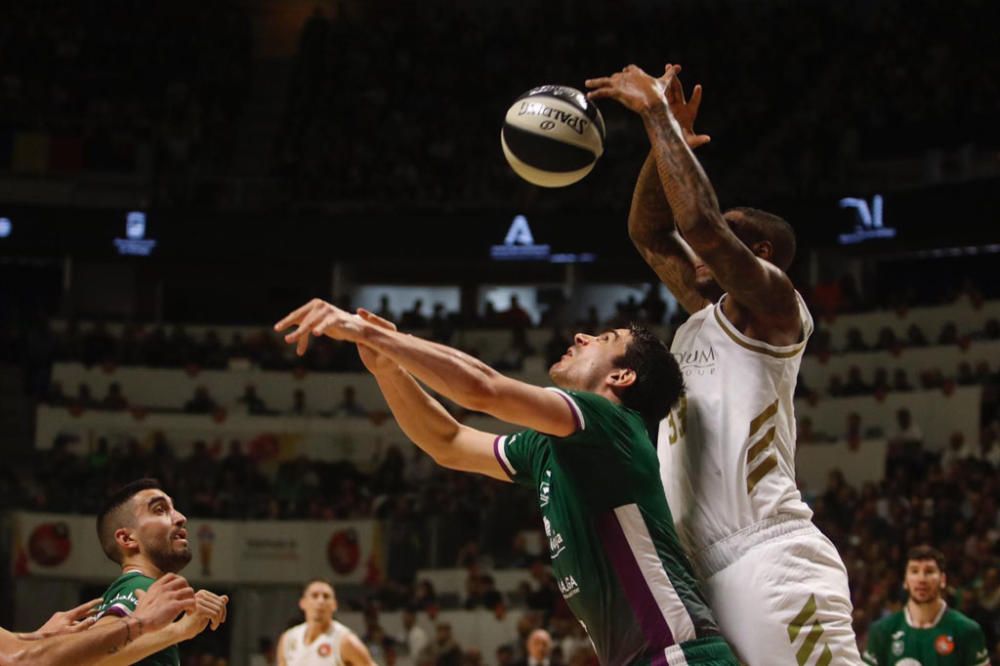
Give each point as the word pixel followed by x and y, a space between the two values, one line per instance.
pixel 727 450
pixel 323 651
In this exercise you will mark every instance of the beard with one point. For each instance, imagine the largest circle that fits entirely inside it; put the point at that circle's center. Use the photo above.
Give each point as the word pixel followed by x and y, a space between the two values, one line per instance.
pixel 169 559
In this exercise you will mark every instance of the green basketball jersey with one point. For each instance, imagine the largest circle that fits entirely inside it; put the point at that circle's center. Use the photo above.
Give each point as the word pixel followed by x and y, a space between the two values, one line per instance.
pixel 120 600
pixel 954 640
pixel 615 554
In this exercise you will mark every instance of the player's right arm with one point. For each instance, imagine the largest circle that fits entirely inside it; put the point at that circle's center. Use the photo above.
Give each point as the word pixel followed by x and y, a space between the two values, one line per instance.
pixel 650 220
pixel 424 420
pixel 167 598
pixel 209 610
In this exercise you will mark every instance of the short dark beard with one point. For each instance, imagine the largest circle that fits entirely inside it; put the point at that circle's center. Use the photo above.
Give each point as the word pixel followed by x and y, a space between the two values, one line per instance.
pixel 168 560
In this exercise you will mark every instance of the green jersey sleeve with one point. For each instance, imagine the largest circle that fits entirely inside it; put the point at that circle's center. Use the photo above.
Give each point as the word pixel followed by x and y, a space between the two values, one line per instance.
pixel 598 420
pixel 875 645
pixel 973 646
pixel 120 599
pixel 518 455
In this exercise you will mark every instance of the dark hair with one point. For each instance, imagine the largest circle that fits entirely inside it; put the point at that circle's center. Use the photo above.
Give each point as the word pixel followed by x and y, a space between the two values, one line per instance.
pixel 658 379
pixel 759 225
pixel 924 552
pixel 317 580
pixel 112 515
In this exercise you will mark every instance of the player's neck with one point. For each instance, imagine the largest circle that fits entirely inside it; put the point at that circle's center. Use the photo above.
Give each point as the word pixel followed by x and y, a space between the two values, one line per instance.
pixel 316 628
pixel 924 615
pixel 141 565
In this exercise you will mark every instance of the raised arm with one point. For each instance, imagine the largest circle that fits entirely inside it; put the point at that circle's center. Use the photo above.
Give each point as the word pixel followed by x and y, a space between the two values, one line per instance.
pixel 754 283
pixel 450 372
pixel 650 220
pixel 651 228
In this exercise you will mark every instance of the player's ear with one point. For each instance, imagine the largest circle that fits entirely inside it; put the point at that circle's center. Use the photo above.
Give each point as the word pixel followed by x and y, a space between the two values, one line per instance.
pixel 125 539
pixel 764 250
pixel 621 378
pixel 944 580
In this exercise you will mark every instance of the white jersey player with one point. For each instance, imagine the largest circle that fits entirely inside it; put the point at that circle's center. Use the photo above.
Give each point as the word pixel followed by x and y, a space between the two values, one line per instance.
pixel 776 584
pixel 320 640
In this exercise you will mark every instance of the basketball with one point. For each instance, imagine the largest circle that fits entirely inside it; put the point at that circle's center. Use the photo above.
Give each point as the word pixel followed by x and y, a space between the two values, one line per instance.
pixel 552 136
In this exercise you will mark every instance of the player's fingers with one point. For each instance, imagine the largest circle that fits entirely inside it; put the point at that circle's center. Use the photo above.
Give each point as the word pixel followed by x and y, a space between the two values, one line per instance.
pixel 85 609
pixel 295 316
pixel 701 140
pixel 604 93
pixel 599 82
pixel 695 102
pixel 305 326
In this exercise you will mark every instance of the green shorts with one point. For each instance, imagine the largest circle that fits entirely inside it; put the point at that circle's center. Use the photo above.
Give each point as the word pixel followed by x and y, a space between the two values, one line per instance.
pixel 709 651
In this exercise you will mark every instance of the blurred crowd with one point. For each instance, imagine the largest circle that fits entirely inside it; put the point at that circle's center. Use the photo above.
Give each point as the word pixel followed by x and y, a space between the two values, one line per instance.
pixel 377 111
pixel 778 104
pixel 152 89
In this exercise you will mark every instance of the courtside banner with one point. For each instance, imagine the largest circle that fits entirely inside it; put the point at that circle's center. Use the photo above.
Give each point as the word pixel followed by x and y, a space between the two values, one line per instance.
pixel 223 551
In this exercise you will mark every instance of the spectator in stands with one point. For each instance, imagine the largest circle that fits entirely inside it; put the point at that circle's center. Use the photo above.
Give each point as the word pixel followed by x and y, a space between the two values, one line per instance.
pixel 424 596
pixel 855 384
pixel 854 434
pixel 414 317
pixel 299 407
pixel 114 400
pixel 886 339
pixel 855 341
pixel 956 451
pixel 253 403
pixel 654 308
pixel 84 399
pixel 835 389
pixel 505 655
pixel 949 334
pixel 915 337
pixel 444 650
pixel 201 403
pixel 538 649
pixel 905 447
pixel 515 316
pixel 441 327
pixel 211 353
pixel 900 381
pixel 880 383
pixel 414 637
pixel 349 406
pixel 384 310
pixel 519 348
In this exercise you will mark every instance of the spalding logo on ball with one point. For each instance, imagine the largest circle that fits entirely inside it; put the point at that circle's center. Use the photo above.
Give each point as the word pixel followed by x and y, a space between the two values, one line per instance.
pixel 552 136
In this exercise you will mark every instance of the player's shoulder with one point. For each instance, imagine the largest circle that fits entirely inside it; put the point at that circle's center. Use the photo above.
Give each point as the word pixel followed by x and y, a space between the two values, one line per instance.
pixel 129 582
pixel 962 624
pixel 887 624
pixel 586 404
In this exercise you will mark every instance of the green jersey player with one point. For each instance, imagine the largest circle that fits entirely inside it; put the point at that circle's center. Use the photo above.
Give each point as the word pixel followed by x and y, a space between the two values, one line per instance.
pixel 586 454
pixel 926 632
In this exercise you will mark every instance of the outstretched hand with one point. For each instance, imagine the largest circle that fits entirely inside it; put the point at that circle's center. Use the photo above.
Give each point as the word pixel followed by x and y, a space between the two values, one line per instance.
pixel 633 88
pixel 684 110
pixel 641 92
pixel 71 621
pixel 317 317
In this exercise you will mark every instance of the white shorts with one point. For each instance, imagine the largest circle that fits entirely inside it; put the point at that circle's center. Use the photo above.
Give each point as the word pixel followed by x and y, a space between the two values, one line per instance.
pixel 783 598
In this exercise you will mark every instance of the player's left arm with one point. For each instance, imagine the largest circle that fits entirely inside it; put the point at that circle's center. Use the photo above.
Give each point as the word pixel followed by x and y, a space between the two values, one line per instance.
pixel 354 652
pixel 973 647
pixel 756 284
pixel 448 371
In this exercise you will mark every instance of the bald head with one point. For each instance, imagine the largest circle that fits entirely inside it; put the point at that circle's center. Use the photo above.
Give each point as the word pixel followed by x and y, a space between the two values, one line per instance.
pixel 539 644
pixel 754 227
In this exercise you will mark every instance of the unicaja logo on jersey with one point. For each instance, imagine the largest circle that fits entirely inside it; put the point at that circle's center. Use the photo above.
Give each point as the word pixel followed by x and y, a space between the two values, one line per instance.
pixel 543 490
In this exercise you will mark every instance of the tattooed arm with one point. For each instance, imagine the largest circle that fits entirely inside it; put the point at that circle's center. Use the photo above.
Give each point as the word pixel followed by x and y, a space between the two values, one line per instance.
pixel 650 220
pixel 757 286
pixel 651 228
